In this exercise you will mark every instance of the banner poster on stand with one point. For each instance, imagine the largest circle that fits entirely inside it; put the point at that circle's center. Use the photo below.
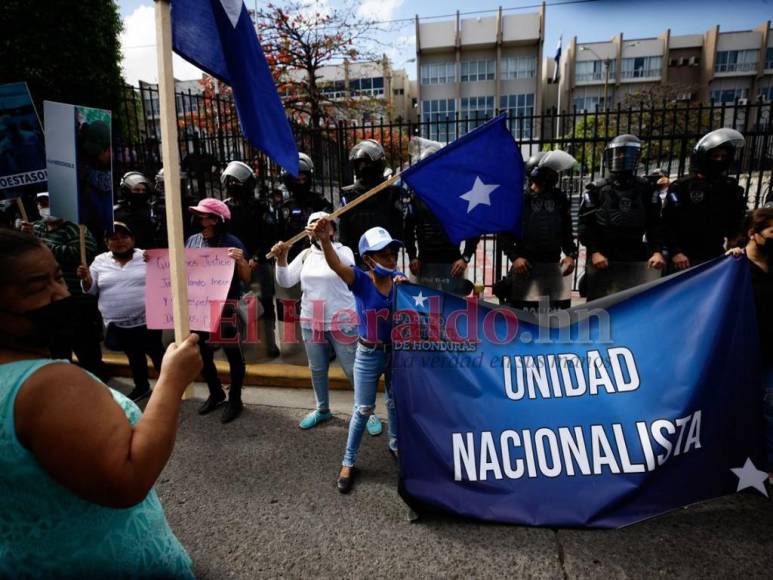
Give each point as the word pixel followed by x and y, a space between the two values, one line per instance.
pixel 22 148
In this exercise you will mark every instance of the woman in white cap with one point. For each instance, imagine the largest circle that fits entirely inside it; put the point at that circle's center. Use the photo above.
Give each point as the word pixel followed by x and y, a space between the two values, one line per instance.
pixel 374 292
pixel 325 302
pixel 212 215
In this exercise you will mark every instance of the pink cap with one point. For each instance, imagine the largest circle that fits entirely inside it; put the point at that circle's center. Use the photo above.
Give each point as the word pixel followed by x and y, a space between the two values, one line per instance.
pixel 212 206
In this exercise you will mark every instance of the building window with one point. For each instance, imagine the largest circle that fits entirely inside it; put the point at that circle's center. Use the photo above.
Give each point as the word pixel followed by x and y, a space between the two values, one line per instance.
pixel 641 67
pixel 519 67
pixel 438 119
pixel 475 111
pixel 369 87
pixel 590 102
pixel 520 113
pixel 736 61
pixel 439 73
pixel 769 58
pixel 333 89
pixel 478 70
pixel 397 92
pixel 728 95
pixel 593 70
pixel 766 94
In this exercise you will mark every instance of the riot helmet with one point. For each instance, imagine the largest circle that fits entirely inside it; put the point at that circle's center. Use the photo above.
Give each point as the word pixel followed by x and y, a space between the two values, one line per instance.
pixel 135 187
pixel 159 179
pixel 368 162
pixel 238 179
pixel 715 151
pixel 532 162
pixel 301 185
pixel 548 166
pixel 622 154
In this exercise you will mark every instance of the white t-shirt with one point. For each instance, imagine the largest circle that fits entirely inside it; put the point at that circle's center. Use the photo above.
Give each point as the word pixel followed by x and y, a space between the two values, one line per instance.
pixel 120 289
pixel 320 283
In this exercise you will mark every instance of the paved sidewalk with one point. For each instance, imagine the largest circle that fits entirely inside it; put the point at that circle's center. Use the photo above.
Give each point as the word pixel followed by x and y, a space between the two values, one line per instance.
pixel 257 499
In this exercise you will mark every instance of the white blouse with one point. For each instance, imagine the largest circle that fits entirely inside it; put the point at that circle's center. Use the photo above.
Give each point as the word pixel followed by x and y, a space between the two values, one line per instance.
pixel 120 289
pixel 320 283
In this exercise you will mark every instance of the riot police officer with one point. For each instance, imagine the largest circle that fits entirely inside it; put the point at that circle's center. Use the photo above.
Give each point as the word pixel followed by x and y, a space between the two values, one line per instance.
pixel 301 203
pixel 385 209
pixel 158 206
pixel 615 214
pixel 546 232
pixel 708 206
pixel 135 210
pixel 238 181
pixel 438 263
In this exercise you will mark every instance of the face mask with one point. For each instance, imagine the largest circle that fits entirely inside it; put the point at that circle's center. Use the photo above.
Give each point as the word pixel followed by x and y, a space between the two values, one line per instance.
pixel 123 255
pixel 62 321
pixel 45 213
pixel 381 271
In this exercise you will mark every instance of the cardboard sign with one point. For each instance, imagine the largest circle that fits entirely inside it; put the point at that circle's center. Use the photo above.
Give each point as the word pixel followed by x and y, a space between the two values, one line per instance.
pixel 79 162
pixel 210 272
pixel 22 149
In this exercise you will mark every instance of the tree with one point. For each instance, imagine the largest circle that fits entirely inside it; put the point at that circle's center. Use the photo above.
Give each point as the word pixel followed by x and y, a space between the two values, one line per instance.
pixel 66 50
pixel 299 39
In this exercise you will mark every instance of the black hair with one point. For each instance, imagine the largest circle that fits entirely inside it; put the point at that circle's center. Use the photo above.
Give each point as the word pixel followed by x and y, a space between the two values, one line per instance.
pixel 756 220
pixel 13 245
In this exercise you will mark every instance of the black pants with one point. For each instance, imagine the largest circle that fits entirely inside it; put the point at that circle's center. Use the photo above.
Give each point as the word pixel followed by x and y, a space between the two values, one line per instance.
pixel 229 341
pixel 137 342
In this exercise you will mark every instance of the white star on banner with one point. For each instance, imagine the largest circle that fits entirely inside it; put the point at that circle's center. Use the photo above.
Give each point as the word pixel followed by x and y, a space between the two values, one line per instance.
pixel 420 299
pixel 750 476
pixel 478 195
pixel 233 9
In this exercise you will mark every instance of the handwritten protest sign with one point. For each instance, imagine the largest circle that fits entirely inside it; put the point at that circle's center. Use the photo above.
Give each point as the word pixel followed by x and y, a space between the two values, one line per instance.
pixel 210 271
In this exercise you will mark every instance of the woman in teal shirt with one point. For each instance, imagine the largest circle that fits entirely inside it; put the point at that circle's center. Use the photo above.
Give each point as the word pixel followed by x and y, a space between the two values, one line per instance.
pixel 78 460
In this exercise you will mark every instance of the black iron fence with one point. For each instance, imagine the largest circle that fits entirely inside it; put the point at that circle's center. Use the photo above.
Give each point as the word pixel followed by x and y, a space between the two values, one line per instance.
pixel 210 137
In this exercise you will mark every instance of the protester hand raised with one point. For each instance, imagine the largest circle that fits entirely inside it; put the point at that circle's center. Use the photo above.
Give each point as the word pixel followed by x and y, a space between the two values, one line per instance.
pixel 280 250
pixel 320 229
pixel 181 363
pixel 84 274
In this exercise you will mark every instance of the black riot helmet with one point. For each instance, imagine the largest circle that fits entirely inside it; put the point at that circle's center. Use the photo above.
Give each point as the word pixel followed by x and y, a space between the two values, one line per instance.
pixel 549 165
pixel 368 161
pixel 238 179
pixel 301 185
pixel 135 187
pixel 622 154
pixel 715 152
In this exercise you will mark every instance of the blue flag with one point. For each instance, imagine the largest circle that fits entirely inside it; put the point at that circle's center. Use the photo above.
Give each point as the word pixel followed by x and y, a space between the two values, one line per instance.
pixel 218 37
pixel 474 185
pixel 602 419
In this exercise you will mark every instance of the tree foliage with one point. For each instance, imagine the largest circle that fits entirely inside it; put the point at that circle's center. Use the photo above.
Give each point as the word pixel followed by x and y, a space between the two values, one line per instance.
pixel 66 50
pixel 299 38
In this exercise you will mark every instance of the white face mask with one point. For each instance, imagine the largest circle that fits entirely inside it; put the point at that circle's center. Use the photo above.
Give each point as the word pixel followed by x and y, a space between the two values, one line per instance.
pixel 45 213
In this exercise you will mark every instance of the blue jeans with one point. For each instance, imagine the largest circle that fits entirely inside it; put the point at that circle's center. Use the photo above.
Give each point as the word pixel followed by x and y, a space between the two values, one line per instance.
pixel 318 345
pixel 369 365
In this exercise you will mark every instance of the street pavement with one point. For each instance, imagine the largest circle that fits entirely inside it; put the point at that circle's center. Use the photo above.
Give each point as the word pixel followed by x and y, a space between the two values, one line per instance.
pixel 256 499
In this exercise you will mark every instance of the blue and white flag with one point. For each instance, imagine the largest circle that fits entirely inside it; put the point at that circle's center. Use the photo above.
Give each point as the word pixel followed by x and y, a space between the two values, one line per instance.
pixel 474 185
pixel 218 37
pixel 645 402
pixel 557 60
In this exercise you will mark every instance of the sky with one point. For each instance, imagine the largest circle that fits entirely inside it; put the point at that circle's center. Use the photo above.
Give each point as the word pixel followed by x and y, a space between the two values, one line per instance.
pixel 589 20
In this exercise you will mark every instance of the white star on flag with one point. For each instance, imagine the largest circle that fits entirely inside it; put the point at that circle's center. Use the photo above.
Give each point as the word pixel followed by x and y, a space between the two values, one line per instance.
pixel 478 195
pixel 420 299
pixel 750 476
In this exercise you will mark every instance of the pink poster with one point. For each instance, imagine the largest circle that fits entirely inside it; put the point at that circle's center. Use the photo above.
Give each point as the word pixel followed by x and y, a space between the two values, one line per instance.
pixel 210 271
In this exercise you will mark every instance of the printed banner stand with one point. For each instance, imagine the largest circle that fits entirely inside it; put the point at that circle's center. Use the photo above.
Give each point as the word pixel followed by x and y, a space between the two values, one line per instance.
pixel 598 416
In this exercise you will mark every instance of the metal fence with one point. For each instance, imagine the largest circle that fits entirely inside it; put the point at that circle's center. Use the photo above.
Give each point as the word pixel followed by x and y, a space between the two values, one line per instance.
pixel 209 137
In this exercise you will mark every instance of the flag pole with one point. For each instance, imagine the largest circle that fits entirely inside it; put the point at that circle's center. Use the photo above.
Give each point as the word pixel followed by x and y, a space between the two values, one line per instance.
pixel 341 210
pixel 171 162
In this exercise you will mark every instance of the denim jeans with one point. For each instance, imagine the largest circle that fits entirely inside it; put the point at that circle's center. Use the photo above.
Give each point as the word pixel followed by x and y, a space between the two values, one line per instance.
pixel 318 345
pixel 369 365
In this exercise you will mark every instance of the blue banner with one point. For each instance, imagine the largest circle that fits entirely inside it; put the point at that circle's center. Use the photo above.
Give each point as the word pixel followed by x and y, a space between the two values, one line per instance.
pixel 601 416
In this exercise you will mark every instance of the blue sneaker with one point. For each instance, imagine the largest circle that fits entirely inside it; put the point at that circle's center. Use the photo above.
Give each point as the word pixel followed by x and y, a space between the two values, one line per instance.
pixel 374 425
pixel 315 418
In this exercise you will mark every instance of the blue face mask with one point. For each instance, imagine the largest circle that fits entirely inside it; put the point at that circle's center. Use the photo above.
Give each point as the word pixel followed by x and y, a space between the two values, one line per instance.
pixel 381 271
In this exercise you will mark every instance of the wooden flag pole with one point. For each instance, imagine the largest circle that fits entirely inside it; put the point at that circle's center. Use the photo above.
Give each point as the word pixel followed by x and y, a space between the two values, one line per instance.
pixel 171 158
pixel 341 210
pixel 22 210
pixel 82 235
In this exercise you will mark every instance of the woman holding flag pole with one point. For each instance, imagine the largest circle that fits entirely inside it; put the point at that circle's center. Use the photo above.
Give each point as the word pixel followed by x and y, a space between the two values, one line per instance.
pixel 374 291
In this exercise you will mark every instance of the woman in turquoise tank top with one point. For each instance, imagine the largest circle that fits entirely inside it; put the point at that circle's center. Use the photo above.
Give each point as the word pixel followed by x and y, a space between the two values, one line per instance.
pixel 78 460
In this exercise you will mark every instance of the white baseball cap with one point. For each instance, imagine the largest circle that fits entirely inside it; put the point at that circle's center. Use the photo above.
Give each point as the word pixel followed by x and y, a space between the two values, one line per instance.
pixel 375 240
